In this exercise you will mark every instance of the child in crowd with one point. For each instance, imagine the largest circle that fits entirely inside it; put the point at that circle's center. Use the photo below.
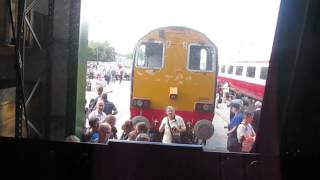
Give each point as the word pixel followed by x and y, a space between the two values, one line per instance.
pixel 111 119
pixel 93 131
pixel 127 127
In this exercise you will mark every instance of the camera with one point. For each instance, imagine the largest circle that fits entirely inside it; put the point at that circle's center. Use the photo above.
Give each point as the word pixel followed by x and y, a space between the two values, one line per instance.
pixel 174 128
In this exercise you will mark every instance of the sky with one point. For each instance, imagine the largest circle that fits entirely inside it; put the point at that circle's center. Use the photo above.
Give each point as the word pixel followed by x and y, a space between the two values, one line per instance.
pixel 241 29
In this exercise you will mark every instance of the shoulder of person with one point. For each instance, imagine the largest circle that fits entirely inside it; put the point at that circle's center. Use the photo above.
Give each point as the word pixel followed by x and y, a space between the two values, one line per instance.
pixel 241 127
pixel 164 118
pixel 240 114
pixel 92 113
pixel 250 126
pixel 177 117
pixel 180 119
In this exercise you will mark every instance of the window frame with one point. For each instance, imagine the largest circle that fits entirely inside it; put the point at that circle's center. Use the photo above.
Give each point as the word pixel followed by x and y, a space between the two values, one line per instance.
pixel 261 73
pixel 223 67
pixel 214 60
pixel 242 68
pixel 163 54
pixel 232 67
pixel 255 70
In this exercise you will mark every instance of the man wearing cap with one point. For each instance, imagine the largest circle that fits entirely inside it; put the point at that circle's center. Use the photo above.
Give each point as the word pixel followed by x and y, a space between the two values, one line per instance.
pixel 232 142
pixel 237 100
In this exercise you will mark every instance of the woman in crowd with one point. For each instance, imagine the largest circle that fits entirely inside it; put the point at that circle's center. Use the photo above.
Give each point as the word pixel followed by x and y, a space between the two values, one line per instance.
pixel 245 133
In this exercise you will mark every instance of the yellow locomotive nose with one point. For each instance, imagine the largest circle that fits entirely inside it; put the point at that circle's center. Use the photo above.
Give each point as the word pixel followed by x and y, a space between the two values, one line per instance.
pixel 173 93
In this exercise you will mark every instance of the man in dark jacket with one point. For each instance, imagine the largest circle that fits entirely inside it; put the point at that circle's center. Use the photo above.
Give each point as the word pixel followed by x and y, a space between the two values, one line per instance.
pixel 256 116
pixel 109 107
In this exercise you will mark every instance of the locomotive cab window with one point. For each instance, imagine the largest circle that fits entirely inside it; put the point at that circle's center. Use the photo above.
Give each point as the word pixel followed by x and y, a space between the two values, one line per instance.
pixel 201 58
pixel 150 55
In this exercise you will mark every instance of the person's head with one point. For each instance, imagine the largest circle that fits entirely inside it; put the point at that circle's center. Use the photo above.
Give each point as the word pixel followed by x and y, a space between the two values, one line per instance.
pixel 104 132
pixel 111 119
pixel 143 137
pixel 235 107
pixel 100 105
pixel 141 127
pixel 258 104
pixel 247 117
pixel 99 90
pixel 170 111
pixel 127 126
pixel 104 96
pixel 93 123
pixel 246 101
pixel 72 138
pixel 238 95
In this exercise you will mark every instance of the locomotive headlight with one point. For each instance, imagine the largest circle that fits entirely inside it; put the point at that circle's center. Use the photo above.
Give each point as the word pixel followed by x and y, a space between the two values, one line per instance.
pixel 139 103
pixel 204 107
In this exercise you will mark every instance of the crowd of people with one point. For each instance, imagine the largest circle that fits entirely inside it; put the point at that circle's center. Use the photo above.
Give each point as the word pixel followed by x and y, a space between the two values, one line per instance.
pixel 101 121
pixel 109 73
pixel 243 124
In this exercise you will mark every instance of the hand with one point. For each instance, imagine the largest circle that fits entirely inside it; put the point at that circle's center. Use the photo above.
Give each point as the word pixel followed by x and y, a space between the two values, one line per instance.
pixel 249 138
pixel 161 129
pixel 175 129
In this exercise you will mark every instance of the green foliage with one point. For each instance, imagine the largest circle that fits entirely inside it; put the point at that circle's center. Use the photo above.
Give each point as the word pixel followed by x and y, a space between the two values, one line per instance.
pixel 101 51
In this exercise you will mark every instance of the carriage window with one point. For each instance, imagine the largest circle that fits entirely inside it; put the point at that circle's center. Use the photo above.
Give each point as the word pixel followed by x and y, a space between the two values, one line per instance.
pixel 239 70
pixel 230 70
pixel 223 68
pixel 201 58
pixel 264 73
pixel 149 55
pixel 251 71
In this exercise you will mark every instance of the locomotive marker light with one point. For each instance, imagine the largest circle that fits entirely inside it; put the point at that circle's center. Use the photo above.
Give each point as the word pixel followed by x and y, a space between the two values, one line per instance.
pixel 141 103
pixel 204 107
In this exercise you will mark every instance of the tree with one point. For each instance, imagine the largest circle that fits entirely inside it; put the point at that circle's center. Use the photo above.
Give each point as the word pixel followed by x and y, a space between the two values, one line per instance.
pixel 101 51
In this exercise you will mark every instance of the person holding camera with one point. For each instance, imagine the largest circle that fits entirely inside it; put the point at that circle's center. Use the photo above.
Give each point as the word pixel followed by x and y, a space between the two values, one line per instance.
pixel 172 126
